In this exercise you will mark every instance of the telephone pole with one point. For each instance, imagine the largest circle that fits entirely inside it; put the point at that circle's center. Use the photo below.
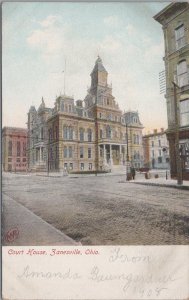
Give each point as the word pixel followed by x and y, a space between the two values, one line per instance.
pixel 177 126
pixel 127 155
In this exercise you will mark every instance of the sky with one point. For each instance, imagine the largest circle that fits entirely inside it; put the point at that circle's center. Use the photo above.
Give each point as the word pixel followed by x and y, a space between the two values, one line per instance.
pixel 39 37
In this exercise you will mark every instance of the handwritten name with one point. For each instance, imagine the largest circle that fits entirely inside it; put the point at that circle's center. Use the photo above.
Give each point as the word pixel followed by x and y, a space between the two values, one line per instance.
pixel 119 256
pixel 132 279
pixel 49 275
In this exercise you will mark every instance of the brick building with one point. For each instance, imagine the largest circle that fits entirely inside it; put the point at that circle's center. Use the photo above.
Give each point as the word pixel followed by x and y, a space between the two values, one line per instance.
pixel 88 134
pixel 175 24
pixel 156 150
pixel 14 143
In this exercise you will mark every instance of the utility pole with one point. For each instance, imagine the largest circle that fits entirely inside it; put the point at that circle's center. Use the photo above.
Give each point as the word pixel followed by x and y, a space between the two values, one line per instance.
pixel 127 158
pixel 177 152
pixel 96 139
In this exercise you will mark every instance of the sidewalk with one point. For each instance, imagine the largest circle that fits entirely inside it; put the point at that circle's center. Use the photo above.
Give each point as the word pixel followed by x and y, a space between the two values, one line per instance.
pixel 162 182
pixel 20 226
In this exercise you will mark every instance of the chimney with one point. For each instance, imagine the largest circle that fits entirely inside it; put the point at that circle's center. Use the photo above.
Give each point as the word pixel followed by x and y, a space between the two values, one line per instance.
pixel 155 131
pixel 162 130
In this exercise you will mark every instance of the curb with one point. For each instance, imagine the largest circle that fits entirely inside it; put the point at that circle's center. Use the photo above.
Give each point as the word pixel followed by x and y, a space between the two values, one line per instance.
pixel 163 185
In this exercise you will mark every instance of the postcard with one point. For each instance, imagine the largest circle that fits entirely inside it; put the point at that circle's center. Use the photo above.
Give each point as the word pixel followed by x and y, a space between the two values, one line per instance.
pixel 95 150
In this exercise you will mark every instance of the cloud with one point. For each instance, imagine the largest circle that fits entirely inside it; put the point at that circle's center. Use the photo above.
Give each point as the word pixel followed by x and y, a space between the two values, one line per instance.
pixel 49 21
pixel 112 21
pixel 126 60
pixel 130 29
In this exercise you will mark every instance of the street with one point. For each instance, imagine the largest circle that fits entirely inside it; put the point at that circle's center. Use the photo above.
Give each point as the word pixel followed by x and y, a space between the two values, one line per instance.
pixel 104 210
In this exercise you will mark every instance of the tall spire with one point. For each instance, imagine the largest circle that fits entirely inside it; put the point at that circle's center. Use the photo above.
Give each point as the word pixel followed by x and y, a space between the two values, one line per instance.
pixel 99 66
pixel 98 76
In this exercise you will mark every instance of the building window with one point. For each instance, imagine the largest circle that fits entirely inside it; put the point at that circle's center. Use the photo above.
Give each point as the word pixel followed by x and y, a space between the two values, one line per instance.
pixel 90 166
pixel 81 152
pixel 70 151
pixel 18 148
pixel 89 153
pixel 62 106
pixel 82 166
pixel 65 166
pixel 159 152
pixel 65 132
pixel 81 134
pixel 42 133
pixel 24 159
pixel 159 143
pixel 152 153
pixel 159 159
pixel 56 152
pixel 68 133
pixel 65 152
pixel 18 160
pixel 152 143
pixel 167 159
pixel 10 148
pixel 89 133
pixel 56 132
pixel 9 159
pixel 184 112
pixel 70 108
pixel 50 134
pixel 182 73
pixel 24 149
pixel 101 134
pixel 108 132
pixel 180 37
pixel 101 152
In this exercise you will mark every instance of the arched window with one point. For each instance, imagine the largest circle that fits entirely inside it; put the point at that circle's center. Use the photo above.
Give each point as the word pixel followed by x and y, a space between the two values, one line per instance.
pixel 89 135
pixel 182 73
pixel 81 134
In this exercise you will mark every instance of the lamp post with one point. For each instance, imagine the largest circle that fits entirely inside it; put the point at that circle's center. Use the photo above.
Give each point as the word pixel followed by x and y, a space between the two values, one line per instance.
pixel 165 150
pixel 177 151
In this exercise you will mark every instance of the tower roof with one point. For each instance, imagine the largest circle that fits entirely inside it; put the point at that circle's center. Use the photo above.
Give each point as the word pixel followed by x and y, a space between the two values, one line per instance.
pixel 99 66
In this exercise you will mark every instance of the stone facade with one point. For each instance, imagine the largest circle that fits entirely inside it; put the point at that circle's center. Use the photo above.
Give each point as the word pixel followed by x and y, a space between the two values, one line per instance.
pixel 37 137
pixel 175 21
pixel 88 134
pixel 14 143
pixel 156 150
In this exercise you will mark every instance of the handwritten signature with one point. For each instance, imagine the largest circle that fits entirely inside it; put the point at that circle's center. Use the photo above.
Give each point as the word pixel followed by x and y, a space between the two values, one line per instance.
pixel 118 256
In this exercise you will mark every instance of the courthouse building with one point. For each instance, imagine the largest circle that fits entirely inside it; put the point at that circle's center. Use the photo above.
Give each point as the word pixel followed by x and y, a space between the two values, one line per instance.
pixel 175 24
pixel 14 141
pixel 88 134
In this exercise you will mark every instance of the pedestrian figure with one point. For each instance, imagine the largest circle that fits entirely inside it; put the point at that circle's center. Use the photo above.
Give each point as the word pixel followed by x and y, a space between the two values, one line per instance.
pixel 133 173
